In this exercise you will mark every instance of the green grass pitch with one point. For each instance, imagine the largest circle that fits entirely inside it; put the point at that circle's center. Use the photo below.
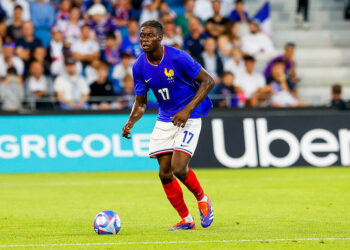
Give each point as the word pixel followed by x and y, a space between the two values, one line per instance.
pixel 294 208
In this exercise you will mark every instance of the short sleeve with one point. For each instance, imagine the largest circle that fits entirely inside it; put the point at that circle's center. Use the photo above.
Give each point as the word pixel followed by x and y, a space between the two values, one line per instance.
pixel 188 65
pixel 140 86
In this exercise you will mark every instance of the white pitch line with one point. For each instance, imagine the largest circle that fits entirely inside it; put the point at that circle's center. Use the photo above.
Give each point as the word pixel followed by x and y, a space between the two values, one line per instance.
pixel 93 183
pixel 170 242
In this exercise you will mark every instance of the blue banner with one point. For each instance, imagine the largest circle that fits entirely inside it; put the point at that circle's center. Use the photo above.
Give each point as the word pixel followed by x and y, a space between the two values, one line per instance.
pixel 74 143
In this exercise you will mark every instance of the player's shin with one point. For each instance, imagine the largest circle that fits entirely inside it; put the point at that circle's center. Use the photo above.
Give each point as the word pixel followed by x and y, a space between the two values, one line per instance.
pixel 175 196
pixel 193 185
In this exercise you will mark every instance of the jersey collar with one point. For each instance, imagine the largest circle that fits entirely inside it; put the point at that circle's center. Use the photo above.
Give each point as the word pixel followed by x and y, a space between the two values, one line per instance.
pixel 156 65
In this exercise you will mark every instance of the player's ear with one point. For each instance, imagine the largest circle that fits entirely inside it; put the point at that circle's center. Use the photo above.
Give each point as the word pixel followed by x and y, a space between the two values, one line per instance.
pixel 160 37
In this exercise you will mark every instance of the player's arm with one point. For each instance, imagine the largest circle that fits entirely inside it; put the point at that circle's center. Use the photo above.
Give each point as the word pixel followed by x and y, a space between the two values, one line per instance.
pixel 206 85
pixel 137 112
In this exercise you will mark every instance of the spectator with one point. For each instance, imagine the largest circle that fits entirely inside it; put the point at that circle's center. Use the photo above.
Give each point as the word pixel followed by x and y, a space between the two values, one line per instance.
pixel 8 60
pixel 37 84
pixel 102 25
pixel 122 13
pixel 3 33
pixel 71 28
pixel 347 10
pixel 131 43
pixel 121 70
pixel 56 47
pixel 289 65
pixel 194 42
pixel 127 95
pixel 239 14
pixel 86 49
pixel 101 88
pixel 203 9
pixel 256 42
pixel 91 74
pixel 182 21
pixel 171 37
pixel 9 6
pixel 40 55
pixel 229 39
pixel 87 4
pixel 71 88
pixel 225 92
pixel 164 10
pixel 235 64
pixel 251 83
pixel 27 44
pixel 281 95
pixel 337 101
pixel 302 13
pixel 211 61
pixel 15 29
pixel 111 52
pixel 43 18
pixel 64 10
pixel 150 10
pixel 11 91
pixel 216 25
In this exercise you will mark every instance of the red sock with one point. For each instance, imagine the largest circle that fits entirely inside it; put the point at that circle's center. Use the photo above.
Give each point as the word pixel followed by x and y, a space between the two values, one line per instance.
pixel 175 196
pixel 193 185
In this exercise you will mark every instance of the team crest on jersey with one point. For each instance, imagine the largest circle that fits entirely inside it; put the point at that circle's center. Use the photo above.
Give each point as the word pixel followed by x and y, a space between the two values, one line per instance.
pixel 169 74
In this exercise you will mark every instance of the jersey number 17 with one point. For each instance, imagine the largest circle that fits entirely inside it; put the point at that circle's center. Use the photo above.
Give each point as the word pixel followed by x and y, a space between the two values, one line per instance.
pixel 165 93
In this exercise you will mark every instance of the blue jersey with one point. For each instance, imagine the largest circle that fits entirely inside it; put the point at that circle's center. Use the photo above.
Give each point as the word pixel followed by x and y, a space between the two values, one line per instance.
pixel 172 82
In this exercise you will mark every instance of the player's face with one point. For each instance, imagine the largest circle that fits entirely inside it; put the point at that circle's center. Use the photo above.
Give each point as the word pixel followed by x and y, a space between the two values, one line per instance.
pixel 149 39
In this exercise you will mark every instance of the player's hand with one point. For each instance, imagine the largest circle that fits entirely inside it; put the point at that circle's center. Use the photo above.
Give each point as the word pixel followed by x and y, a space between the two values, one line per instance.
pixel 127 130
pixel 181 118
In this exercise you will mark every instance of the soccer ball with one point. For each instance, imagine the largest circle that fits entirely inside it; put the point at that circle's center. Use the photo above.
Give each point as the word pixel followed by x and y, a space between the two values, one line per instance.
pixel 107 222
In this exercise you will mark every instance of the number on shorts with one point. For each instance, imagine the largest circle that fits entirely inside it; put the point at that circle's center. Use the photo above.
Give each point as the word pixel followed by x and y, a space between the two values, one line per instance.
pixel 190 135
pixel 165 93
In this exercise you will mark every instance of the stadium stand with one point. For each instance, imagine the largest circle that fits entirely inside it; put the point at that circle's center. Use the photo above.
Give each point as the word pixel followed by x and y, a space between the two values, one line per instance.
pixel 322 44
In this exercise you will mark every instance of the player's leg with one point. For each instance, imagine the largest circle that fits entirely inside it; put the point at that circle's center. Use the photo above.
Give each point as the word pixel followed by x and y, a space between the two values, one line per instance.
pixel 174 193
pixel 179 166
pixel 185 145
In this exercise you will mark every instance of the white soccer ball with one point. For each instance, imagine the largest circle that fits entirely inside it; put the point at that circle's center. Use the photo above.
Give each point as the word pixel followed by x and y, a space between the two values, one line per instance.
pixel 107 222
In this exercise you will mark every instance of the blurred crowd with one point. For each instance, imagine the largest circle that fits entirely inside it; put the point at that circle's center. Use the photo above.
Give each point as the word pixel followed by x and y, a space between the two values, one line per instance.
pixel 78 54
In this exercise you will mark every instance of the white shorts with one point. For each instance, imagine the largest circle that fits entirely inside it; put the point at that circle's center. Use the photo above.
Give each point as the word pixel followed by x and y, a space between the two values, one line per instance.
pixel 167 138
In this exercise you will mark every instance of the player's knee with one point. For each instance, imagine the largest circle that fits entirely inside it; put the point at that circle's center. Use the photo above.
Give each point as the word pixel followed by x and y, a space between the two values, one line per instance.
pixel 165 177
pixel 179 170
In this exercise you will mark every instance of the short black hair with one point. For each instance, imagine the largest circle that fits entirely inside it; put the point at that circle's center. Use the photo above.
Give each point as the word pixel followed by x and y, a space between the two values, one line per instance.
pixel 239 1
pixel 125 55
pixel 111 35
pixel 278 61
pixel 155 24
pixel 289 44
pixel 12 71
pixel 337 89
pixel 249 58
pixel 18 7
pixel 228 73
pixel 85 26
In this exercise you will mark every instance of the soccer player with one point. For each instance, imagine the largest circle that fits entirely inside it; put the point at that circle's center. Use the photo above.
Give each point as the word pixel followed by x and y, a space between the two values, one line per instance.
pixel 181 87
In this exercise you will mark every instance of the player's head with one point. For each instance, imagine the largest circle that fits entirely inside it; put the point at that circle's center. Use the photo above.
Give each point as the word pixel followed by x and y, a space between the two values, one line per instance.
pixel 151 35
